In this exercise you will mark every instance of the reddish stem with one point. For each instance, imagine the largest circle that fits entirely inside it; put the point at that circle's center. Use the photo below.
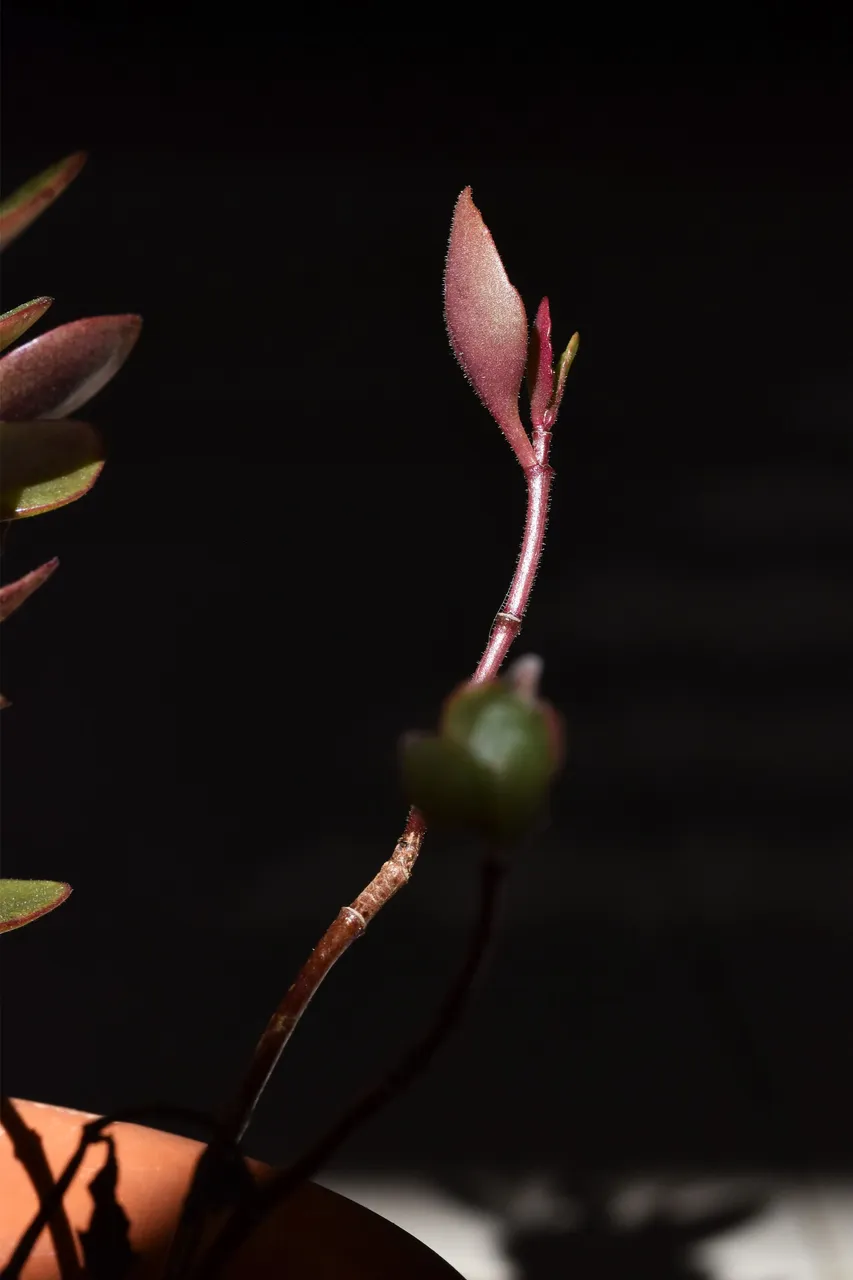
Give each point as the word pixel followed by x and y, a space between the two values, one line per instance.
pixel 508 621
pixel 410 1065
pixel 349 924
pixel 351 921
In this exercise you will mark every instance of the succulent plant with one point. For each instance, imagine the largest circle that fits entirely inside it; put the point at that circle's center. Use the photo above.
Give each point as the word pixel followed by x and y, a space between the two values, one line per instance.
pixel 46 458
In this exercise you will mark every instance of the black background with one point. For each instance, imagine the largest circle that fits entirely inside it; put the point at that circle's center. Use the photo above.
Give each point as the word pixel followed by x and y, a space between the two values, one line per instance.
pixel 307 523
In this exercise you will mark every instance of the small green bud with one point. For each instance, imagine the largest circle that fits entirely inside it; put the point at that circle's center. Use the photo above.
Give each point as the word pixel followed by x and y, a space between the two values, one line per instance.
pixel 492 761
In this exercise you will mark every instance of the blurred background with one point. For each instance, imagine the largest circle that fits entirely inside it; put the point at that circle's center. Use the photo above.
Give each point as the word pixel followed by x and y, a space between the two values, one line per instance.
pixel 304 530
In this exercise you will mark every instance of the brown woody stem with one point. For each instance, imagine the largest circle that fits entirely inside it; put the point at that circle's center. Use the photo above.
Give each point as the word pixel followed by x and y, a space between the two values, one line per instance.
pixel 411 1064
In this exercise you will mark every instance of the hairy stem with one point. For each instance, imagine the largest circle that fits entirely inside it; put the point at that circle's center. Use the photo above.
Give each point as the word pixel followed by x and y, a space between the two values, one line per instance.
pixel 351 921
pixel 416 1059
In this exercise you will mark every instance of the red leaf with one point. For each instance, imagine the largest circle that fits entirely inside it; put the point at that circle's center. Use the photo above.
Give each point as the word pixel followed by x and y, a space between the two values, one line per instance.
pixel 540 365
pixel 52 375
pixel 486 322
pixel 13 595
pixel 24 205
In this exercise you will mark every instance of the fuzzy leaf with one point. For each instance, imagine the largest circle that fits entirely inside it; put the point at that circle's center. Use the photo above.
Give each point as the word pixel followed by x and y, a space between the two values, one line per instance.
pixel 23 206
pixel 565 364
pixel 54 374
pixel 15 322
pixel 486 321
pixel 22 901
pixel 540 365
pixel 13 595
pixel 44 465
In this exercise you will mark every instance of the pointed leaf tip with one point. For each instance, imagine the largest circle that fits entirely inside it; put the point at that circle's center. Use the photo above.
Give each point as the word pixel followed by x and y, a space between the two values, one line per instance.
pixel 13 595
pixel 540 365
pixel 22 901
pixel 31 199
pixel 52 375
pixel 486 321
pixel 15 322
pixel 565 363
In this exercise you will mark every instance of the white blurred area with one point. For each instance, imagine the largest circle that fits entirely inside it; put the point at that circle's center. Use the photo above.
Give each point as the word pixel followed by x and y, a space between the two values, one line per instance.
pixel 802 1231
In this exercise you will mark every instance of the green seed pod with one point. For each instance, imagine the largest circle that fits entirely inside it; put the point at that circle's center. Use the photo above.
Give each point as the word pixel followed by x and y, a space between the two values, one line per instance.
pixel 449 787
pixel 490 765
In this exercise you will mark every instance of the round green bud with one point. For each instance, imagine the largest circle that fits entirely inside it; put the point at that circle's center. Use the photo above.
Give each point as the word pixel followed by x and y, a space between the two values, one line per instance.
pixel 490 765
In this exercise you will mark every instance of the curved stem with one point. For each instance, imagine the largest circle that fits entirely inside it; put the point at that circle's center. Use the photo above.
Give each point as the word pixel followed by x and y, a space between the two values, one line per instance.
pixel 351 921
pixel 508 621
pixel 413 1062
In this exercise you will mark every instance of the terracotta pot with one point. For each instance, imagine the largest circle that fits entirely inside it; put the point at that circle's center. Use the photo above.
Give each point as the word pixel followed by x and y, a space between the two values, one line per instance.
pixel 315 1235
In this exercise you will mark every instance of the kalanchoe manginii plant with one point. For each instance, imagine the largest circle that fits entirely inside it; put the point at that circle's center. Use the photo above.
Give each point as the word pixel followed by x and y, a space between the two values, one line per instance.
pixel 47 459
pixel 498 748
pixel 488 769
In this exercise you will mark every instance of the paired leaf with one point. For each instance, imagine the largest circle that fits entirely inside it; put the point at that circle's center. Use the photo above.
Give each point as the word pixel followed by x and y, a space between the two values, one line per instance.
pixel 22 901
pixel 15 322
pixel 545 387
pixel 540 365
pixel 486 322
pixel 54 374
pixel 44 465
pixel 13 595
pixel 23 206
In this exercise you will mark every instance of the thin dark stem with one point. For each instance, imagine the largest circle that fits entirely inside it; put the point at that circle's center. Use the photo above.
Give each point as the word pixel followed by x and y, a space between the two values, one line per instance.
pixel 351 921
pixel 29 1150
pixel 412 1064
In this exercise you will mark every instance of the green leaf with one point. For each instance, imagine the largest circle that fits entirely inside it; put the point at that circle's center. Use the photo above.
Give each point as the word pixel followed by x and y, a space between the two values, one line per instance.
pixel 15 322
pixel 23 206
pixel 44 465
pixel 564 365
pixel 22 901
pixel 54 374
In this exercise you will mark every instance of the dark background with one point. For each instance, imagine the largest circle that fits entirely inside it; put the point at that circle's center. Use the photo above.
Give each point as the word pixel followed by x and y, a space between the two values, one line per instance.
pixel 304 530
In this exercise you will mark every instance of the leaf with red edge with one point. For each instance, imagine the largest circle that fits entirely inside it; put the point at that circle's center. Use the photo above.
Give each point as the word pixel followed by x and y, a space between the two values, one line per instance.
pixel 54 374
pixel 44 465
pixel 15 322
pixel 540 365
pixel 486 322
pixel 13 595
pixel 23 206
pixel 22 901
